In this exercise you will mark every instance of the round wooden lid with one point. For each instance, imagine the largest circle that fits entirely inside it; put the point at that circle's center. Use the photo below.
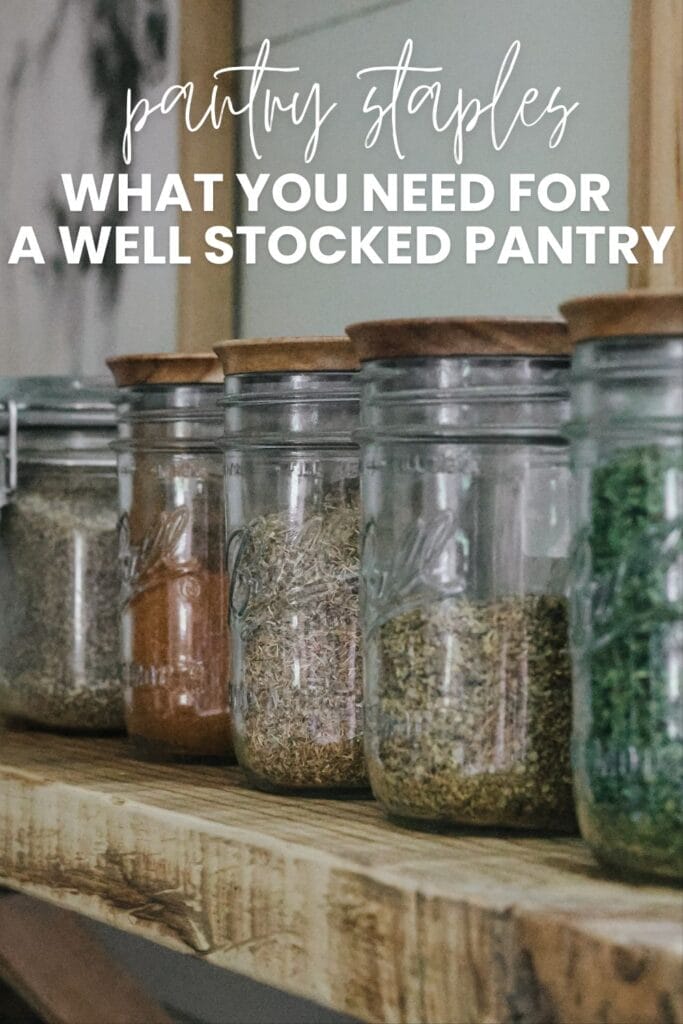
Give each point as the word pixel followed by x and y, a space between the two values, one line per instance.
pixel 625 314
pixel 458 336
pixel 166 368
pixel 286 355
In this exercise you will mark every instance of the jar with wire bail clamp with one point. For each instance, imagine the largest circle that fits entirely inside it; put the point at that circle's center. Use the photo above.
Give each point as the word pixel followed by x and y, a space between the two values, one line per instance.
pixel 59 632
pixel 627 578
pixel 465 540
pixel 293 511
pixel 172 557
pixel 8 451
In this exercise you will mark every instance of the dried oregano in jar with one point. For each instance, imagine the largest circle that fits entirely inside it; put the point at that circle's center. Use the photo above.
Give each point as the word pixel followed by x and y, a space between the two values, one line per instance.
pixel 471 713
pixel 465 476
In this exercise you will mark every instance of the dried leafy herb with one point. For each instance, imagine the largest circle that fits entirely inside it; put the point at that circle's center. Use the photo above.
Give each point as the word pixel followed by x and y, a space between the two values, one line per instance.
pixel 630 653
pixel 469 714
pixel 59 651
pixel 297 690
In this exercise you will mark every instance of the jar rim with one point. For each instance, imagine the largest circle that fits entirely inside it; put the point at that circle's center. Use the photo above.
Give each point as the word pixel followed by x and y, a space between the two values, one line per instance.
pixel 629 360
pixel 285 386
pixel 74 445
pixel 100 459
pixel 60 402
pixel 513 359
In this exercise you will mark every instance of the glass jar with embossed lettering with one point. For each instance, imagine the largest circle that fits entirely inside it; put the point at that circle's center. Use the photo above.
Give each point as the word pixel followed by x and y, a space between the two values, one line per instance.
pixel 465 542
pixel 627 578
pixel 293 510
pixel 172 557
pixel 59 629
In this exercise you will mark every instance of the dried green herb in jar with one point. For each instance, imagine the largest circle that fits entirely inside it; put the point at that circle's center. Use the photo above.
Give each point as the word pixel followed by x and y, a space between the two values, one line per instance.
pixel 470 716
pixel 297 689
pixel 630 781
pixel 59 649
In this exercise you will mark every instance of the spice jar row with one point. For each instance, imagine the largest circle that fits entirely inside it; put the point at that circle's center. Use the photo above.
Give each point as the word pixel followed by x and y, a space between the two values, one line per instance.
pixel 113 608
pixel 402 571
pixel 467 533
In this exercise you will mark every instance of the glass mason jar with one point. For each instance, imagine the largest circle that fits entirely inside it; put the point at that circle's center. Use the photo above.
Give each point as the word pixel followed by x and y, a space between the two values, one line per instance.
pixel 465 541
pixel 175 590
pixel 59 636
pixel 8 451
pixel 292 489
pixel 627 578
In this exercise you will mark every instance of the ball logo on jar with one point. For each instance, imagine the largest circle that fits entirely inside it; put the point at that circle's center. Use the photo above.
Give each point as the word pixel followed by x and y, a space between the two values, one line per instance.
pixel 257 575
pixel 157 560
pixel 430 558
pixel 240 562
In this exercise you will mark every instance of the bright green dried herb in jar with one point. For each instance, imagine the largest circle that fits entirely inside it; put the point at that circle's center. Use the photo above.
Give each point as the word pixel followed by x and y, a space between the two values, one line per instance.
pixel 630 736
pixel 626 433
pixel 472 714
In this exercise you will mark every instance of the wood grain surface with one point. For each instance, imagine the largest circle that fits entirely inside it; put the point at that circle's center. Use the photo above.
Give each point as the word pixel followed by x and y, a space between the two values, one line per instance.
pixel 625 314
pixel 286 355
pixel 326 899
pixel 458 336
pixel 166 368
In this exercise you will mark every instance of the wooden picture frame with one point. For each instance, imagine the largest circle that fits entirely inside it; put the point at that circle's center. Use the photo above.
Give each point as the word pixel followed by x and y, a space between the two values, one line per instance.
pixel 656 134
pixel 206 292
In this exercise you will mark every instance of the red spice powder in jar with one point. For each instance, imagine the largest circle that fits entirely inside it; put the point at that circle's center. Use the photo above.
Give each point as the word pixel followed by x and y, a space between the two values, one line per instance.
pixel 175 615
pixel 176 697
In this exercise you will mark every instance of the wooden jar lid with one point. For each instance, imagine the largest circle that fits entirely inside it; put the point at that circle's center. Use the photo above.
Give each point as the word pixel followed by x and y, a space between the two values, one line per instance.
pixel 166 368
pixel 625 314
pixel 458 336
pixel 286 355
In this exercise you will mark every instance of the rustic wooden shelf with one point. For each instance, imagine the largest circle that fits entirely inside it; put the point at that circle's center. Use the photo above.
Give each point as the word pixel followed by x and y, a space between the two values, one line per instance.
pixel 327 900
